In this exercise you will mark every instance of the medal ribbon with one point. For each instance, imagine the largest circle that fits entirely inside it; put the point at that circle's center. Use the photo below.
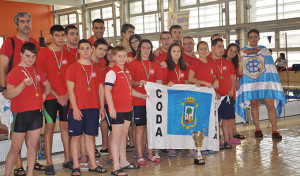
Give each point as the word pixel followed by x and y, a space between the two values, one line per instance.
pixel 178 76
pixel 70 51
pixel 147 73
pixel 218 65
pixel 58 64
pixel 35 85
pixel 88 80
pixel 130 88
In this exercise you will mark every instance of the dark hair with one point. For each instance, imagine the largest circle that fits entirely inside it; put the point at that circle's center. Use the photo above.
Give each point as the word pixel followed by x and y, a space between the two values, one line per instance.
pixel 139 57
pixel 84 41
pixel 165 32
pixel 175 27
pixel 170 63
pixel 30 47
pixel 125 27
pixel 56 28
pixel 214 42
pixel 97 21
pixel 188 37
pixel 201 43
pixel 282 55
pixel 271 51
pixel 213 36
pixel 117 49
pixel 105 57
pixel 137 36
pixel 21 14
pixel 234 60
pixel 100 41
pixel 67 28
pixel 253 30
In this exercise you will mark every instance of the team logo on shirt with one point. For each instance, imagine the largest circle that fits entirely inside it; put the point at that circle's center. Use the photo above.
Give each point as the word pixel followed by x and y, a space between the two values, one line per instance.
pixel 182 75
pixel 254 67
pixel 38 77
pixel 211 71
pixel 224 68
pixel 152 71
pixel 188 118
pixel 93 74
pixel 64 62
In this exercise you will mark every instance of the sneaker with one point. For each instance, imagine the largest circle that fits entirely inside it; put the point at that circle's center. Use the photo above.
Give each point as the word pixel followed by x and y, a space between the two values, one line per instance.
pixel 50 170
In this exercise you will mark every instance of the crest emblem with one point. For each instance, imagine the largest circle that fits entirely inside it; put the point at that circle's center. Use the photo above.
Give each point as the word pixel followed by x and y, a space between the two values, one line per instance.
pixel 188 118
pixel 254 66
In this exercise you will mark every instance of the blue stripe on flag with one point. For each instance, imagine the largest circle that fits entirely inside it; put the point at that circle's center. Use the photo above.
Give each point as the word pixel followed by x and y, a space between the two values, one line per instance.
pixel 259 94
pixel 266 77
pixel 186 115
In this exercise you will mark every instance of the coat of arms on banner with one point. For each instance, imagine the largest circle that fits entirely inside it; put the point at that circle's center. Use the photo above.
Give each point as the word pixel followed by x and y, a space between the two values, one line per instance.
pixel 254 66
pixel 189 112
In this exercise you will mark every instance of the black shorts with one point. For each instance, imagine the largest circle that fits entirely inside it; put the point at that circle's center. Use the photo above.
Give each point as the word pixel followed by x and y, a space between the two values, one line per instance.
pixel 226 109
pixel 50 111
pixel 107 117
pixel 89 123
pixel 121 117
pixel 140 116
pixel 27 121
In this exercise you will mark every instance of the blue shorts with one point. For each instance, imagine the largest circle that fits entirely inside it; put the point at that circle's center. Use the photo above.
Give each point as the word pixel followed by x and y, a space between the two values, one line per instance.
pixel 88 124
pixel 226 109
pixel 140 115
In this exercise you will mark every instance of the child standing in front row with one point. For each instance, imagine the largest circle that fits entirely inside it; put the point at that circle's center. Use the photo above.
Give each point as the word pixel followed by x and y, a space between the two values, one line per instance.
pixel 85 89
pixel 25 85
pixel 118 94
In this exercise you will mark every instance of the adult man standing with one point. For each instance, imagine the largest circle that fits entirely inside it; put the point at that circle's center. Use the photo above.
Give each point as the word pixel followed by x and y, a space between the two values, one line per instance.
pixel 165 41
pixel 98 29
pixel 188 52
pixel 72 36
pixel 53 60
pixel 10 57
pixel 260 81
pixel 176 32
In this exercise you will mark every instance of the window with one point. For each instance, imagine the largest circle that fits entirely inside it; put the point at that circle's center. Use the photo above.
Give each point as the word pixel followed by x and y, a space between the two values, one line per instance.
pixel 188 2
pixel 209 16
pixel 288 9
pixel 63 19
pixel 291 36
pixel 150 5
pixel 232 13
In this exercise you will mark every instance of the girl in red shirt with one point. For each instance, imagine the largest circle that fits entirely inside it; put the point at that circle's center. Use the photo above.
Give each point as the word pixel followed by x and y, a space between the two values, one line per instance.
pixel 232 54
pixel 134 40
pixel 143 69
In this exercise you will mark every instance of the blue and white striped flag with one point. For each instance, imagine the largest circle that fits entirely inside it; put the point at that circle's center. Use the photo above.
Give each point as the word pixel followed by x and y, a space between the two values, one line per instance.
pixel 260 80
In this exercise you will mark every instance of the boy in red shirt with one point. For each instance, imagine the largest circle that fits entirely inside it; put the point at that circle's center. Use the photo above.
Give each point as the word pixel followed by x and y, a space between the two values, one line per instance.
pixel 53 61
pixel 85 89
pixel 72 36
pixel 99 53
pixel 27 87
pixel 118 94
pixel 225 91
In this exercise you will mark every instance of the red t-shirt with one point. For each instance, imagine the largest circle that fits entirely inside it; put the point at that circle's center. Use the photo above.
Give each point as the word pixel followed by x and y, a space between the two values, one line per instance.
pixel 138 73
pixel 46 61
pixel 121 92
pixel 73 51
pixel 91 39
pixel 227 71
pixel 204 71
pixel 27 99
pixel 188 59
pixel 171 75
pixel 7 49
pixel 85 99
pixel 162 57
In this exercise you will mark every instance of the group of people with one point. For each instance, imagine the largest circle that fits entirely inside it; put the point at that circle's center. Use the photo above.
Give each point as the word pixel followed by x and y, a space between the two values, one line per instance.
pixel 84 80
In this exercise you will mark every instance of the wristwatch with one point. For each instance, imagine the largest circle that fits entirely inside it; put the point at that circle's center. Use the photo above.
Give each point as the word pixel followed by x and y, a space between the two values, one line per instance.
pixel 2 88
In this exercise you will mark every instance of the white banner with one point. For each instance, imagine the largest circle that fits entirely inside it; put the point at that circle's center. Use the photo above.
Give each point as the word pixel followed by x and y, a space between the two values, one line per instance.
pixel 173 112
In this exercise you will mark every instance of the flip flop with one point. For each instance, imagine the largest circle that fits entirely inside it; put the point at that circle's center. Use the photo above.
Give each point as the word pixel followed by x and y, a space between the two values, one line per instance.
pixel 131 166
pixel 98 169
pixel 84 166
pixel 17 171
pixel 39 167
pixel 117 172
pixel 239 136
